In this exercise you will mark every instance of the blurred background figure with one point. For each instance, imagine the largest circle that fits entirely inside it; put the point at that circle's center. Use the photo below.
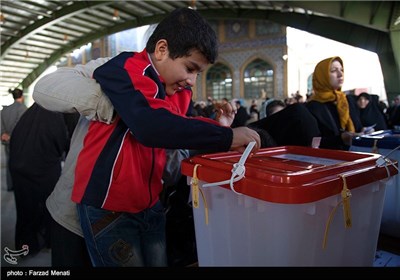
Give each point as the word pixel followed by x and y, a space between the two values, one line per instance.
pixel 254 112
pixel 37 148
pixel 241 116
pixel 9 118
pixel 370 114
pixel 199 109
pixel 274 106
pixel 393 112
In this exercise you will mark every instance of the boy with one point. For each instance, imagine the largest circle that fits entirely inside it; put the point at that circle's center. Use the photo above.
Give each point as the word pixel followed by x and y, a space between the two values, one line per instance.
pixel 118 174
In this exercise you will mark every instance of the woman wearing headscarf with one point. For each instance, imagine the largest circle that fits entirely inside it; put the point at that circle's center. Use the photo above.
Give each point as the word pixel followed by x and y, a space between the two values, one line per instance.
pixel 370 113
pixel 329 105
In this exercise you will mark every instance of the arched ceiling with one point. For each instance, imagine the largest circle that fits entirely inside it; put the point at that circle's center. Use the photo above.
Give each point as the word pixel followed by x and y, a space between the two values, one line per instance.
pixel 37 34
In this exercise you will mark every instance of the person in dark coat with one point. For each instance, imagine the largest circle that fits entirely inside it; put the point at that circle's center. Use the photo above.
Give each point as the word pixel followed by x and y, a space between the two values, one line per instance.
pixel 241 116
pixel 370 113
pixel 39 142
pixel 293 125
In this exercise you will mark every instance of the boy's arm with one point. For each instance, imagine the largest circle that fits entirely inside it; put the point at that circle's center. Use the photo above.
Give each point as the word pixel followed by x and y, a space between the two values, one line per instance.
pixel 68 90
pixel 154 121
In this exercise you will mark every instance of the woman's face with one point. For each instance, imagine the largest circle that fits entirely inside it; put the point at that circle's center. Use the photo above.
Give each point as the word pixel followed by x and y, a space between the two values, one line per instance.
pixel 362 102
pixel 336 75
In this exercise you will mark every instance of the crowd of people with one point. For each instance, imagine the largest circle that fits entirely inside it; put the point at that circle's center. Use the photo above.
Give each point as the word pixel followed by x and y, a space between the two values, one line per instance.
pixel 108 205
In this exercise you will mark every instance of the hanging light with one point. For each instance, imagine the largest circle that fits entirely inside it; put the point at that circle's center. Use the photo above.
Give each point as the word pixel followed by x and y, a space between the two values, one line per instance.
pixel 286 9
pixel 397 21
pixel 65 37
pixel 116 15
pixel 193 5
pixel 2 18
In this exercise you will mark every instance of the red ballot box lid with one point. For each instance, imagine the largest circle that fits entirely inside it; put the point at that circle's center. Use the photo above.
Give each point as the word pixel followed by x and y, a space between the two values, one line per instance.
pixel 291 174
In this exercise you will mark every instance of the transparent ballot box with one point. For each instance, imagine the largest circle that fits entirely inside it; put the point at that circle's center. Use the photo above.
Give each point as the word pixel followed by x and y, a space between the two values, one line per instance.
pixel 292 206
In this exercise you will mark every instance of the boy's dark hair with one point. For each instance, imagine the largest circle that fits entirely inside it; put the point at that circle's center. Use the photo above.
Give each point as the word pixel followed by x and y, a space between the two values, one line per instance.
pixel 185 30
pixel 16 93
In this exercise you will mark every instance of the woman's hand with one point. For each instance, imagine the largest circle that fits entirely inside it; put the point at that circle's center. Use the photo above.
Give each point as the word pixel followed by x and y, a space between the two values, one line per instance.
pixel 367 130
pixel 347 137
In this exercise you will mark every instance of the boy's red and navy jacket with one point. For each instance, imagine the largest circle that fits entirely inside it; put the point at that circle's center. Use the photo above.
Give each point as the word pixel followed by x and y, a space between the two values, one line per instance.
pixel 121 164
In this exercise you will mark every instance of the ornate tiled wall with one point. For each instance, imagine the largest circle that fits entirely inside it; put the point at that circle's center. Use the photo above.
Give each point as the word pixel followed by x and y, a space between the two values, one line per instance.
pixel 241 41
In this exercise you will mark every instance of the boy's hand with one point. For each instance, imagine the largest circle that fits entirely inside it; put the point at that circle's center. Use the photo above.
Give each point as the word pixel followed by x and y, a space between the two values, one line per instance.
pixel 224 114
pixel 242 136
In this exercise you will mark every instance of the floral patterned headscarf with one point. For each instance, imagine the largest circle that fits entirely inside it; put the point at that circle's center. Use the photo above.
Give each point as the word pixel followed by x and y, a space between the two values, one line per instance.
pixel 324 92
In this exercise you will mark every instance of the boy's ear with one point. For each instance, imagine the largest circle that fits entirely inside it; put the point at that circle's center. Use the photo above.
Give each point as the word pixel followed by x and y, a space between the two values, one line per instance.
pixel 161 50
